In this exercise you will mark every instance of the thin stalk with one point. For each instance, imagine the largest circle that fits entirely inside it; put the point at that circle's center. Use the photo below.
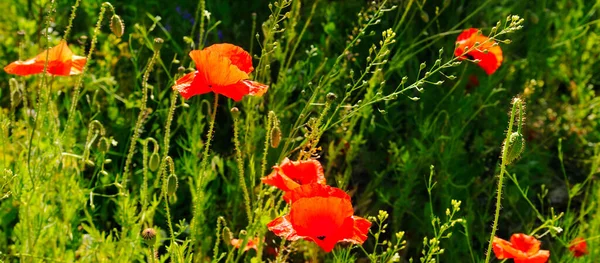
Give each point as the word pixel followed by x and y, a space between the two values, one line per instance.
pixel 140 120
pixel 240 163
pixel 203 165
pixel 77 88
pixel 501 179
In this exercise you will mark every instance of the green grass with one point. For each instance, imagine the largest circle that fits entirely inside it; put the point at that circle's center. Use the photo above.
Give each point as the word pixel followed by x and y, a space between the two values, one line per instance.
pixel 90 161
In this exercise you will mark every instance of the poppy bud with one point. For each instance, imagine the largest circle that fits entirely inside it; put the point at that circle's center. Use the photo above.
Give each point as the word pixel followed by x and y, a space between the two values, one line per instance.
pixel 235 112
pixel 154 161
pixel 158 42
pixel 172 184
pixel 181 69
pixel 331 96
pixel 516 145
pixel 149 235
pixel 275 137
pixel 117 26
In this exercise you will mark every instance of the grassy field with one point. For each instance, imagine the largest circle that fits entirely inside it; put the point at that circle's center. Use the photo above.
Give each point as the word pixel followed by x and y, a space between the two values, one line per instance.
pixel 388 126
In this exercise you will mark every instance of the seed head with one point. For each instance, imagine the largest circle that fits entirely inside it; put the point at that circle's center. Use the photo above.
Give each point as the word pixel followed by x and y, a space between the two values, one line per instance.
pixel 149 235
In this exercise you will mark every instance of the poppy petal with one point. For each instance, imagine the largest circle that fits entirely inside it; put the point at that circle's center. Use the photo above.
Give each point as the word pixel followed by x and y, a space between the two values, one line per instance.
pixel 60 52
pixel 24 68
pixel 251 244
pixel 215 69
pixel 188 86
pixel 540 257
pixel 528 244
pixel 360 231
pixel 256 89
pixel 578 247
pixel 237 55
pixel 291 174
pixel 78 64
pixel 324 220
pixel 504 249
pixel 315 190
pixel 282 227
pixel 235 91
pixel 487 52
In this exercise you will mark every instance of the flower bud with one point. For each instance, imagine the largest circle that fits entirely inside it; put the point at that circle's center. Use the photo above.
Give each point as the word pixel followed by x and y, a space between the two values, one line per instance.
pixel 172 184
pixel 117 26
pixel 275 137
pixel 516 145
pixel 154 161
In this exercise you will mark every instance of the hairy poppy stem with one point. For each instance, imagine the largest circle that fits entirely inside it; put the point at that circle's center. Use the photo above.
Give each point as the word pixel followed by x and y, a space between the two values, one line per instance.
pixel 503 164
pixel 77 88
pixel 71 18
pixel 140 120
pixel 198 220
pixel 240 163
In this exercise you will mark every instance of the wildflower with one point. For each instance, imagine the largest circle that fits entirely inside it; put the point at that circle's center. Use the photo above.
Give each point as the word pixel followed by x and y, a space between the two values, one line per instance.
pixel 61 62
pixel 486 50
pixel 222 69
pixel 522 248
pixel 252 243
pixel 322 214
pixel 291 174
pixel 578 247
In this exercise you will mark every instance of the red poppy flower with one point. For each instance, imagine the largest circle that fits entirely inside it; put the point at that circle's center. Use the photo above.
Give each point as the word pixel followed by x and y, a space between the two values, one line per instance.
pixel 487 52
pixel 322 214
pixel 578 247
pixel 252 243
pixel 61 62
pixel 222 69
pixel 522 248
pixel 291 174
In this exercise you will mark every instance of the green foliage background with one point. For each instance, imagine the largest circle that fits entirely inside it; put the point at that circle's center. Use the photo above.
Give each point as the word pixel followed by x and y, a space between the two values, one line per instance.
pixel 57 208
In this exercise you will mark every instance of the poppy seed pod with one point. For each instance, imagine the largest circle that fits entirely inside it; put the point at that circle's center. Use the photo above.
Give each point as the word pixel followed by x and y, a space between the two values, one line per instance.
pixel 117 26
pixel 172 184
pixel 149 235
pixel 158 42
pixel 331 96
pixel 235 112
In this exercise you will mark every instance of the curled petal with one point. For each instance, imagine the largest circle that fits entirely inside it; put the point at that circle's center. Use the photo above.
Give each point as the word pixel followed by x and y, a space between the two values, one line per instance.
pixel 504 249
pixel 360 231
pixel 188 86
pixel 282 227
pixel 255 88
pixel 525 243
pixel 77 65
pixel 291 174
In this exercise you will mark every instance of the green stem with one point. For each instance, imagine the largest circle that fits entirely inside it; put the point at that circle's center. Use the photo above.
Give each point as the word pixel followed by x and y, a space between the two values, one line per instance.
pixel 240 163
pixel 140 120
pixel 77 88
pixel 501 179
pixel 203 165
